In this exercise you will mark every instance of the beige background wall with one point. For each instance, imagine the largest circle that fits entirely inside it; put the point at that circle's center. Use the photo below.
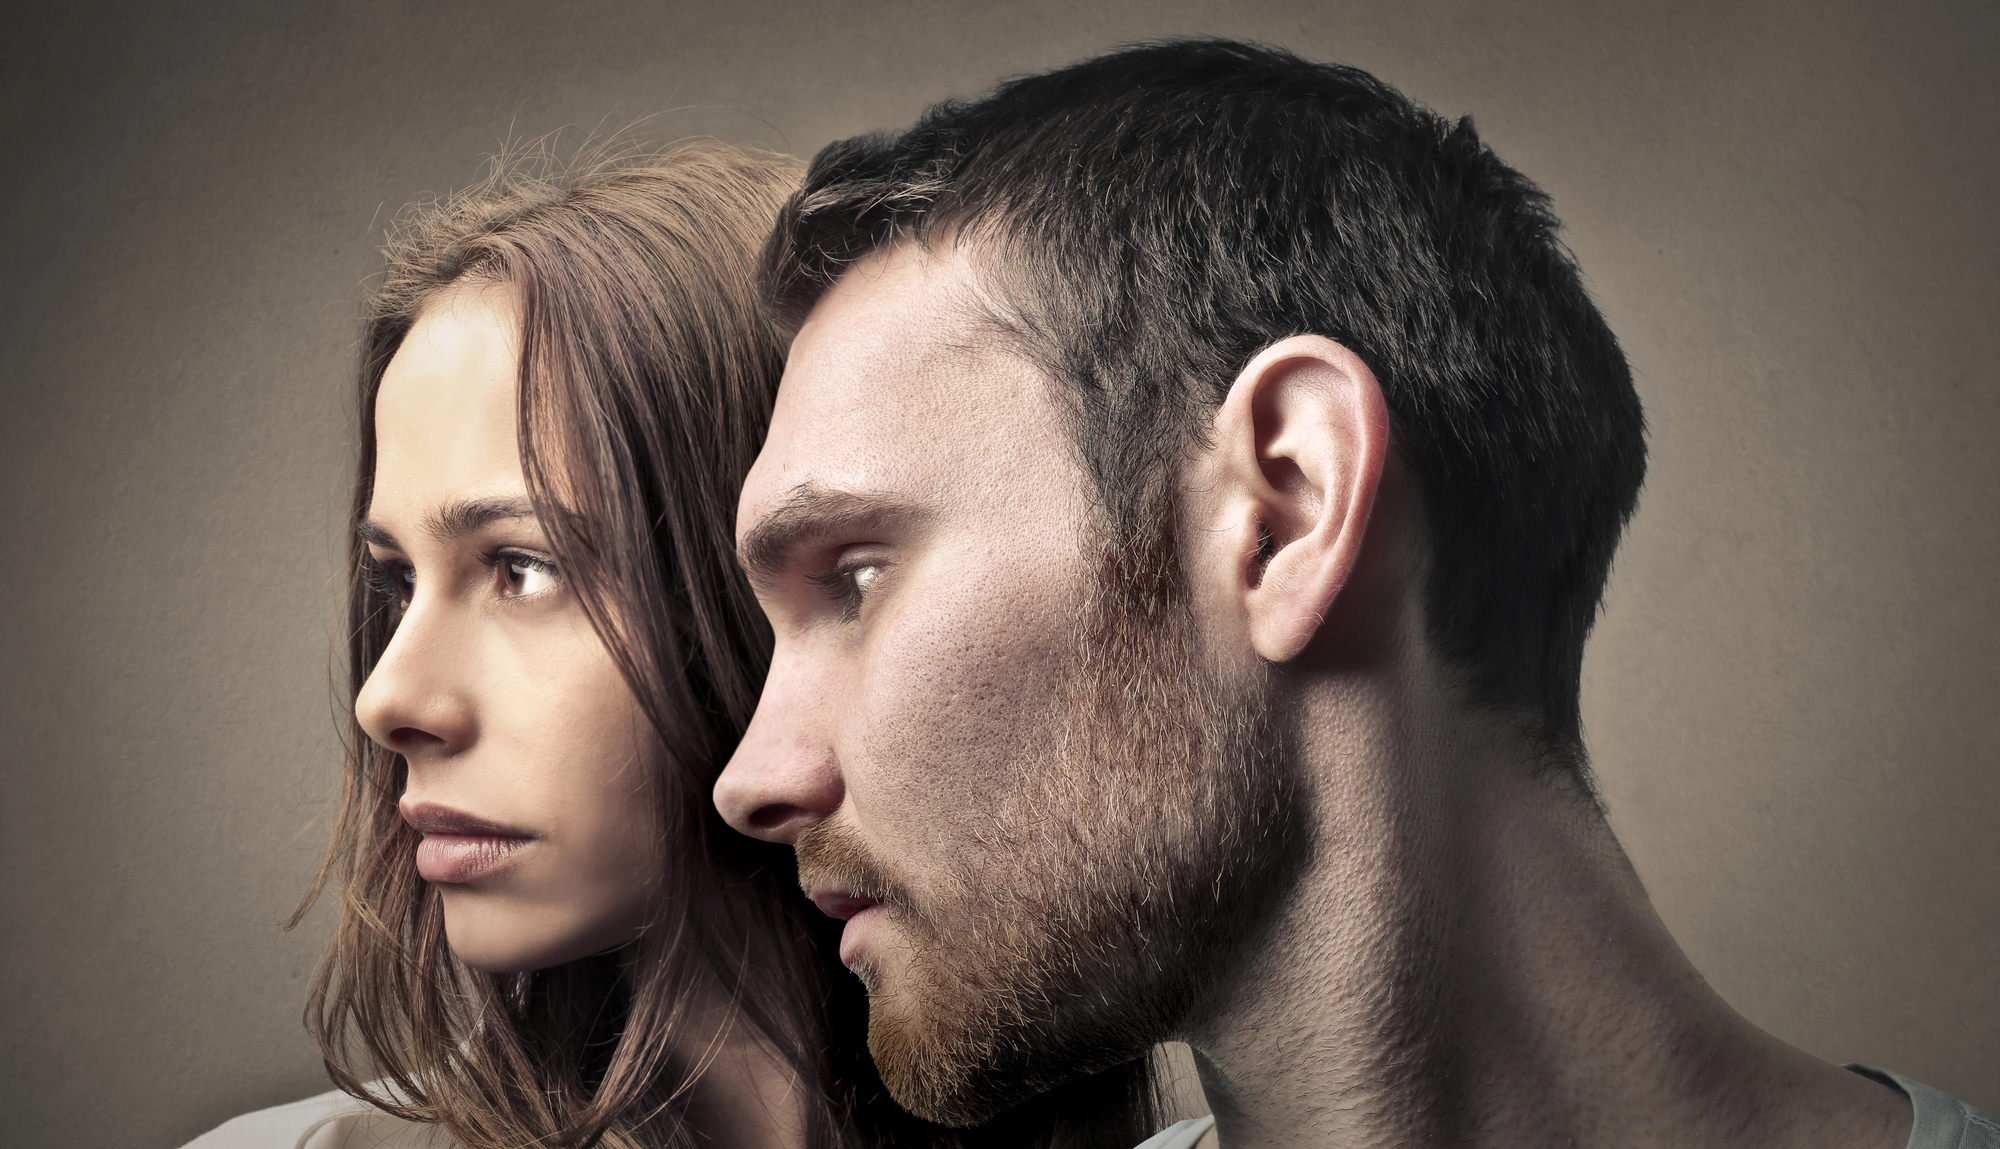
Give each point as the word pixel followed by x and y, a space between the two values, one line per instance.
pixel 1787 209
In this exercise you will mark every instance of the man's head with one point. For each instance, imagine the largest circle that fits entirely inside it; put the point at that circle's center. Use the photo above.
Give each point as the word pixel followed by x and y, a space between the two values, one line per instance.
pixel 1179 302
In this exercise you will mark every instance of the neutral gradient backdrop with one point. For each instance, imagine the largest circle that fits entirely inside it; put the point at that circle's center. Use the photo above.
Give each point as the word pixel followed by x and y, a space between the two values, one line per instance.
pixel 1788 211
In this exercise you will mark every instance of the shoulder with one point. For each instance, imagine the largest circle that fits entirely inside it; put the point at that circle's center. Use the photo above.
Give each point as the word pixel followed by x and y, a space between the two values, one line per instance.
pixel 331 1120
pixel 1180 1135
pixel 1941 1121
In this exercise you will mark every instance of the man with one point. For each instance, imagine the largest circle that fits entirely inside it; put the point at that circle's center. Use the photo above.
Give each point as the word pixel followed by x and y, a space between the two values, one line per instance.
pixel 1193 482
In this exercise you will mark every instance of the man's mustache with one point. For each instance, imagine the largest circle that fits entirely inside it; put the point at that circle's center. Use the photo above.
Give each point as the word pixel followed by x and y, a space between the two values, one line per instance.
pixel 832 856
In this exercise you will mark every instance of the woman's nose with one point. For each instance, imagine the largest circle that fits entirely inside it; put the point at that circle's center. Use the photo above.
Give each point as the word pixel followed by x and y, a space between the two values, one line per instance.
pixel 415 700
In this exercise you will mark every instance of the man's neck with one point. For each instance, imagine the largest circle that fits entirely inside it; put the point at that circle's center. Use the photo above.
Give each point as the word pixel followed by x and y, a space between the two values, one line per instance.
pixel 1471 960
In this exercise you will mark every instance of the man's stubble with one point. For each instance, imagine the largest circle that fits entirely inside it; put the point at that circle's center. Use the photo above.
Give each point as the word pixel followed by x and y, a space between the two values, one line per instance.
pixel 1105 896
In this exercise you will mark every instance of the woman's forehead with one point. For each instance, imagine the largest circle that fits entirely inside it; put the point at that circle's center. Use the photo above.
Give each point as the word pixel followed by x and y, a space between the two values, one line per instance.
pixel 445 422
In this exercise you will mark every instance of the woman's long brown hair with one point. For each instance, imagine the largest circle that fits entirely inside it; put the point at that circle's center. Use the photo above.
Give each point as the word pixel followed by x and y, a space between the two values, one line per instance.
pixel 647 375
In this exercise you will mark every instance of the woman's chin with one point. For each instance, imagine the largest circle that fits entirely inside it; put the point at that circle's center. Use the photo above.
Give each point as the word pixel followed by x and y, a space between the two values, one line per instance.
pixel 496 942
pixel 500 961
pixel 484 951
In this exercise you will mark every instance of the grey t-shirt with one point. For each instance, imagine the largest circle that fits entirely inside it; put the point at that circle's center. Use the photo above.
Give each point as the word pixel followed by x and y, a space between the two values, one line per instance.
pixel 1942 1122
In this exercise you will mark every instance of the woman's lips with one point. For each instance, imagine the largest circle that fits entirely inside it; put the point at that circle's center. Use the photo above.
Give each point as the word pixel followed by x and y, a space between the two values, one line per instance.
pixel 860 913
pixel 463 857
pixel 458 847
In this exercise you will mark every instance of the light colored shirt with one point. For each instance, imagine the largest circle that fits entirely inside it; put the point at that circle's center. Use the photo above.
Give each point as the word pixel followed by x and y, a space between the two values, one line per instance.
pixel 335 1120
pixel 1942 1122
pixel 331 1120
pixel 1179 1135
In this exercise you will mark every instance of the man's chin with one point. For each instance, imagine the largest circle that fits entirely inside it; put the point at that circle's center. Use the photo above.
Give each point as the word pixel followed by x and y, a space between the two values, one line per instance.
pixel 952 1064
pixel 929 1065
pixel 932 1079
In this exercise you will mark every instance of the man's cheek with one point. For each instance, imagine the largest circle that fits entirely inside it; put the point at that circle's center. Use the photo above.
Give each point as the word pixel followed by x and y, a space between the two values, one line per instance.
pixel 944 726
pixel 933 752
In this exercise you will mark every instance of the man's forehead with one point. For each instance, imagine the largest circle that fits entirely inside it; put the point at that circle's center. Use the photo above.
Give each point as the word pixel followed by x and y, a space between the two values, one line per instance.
pixel 897 382
pixel 887 333
pixel 897 327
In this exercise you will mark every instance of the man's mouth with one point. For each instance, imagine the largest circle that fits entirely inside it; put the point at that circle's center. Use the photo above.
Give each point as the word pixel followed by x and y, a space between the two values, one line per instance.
pixel 857 910
pixel 841 904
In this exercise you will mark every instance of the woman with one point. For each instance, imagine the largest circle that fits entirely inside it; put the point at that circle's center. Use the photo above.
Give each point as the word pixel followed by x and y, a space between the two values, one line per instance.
pixel 546 934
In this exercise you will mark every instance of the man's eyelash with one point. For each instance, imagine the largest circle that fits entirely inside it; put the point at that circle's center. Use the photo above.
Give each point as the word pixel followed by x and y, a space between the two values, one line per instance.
pixel 840 586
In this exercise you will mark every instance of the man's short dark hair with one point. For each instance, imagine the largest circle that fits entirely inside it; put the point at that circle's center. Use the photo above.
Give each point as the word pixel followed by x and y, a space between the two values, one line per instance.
pixel 1158 215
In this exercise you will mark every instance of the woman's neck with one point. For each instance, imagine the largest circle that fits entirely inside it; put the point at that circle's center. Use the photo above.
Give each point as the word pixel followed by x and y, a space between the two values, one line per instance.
pixel 745 1094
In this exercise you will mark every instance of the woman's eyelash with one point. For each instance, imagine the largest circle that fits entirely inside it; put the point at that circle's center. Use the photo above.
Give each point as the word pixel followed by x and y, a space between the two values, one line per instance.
pixel 389 581
pixel 521 559
pixel 512 565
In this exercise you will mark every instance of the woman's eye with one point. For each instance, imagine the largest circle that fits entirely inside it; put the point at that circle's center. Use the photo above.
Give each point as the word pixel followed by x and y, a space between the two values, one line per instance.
pixel 392 581
pixel 526 574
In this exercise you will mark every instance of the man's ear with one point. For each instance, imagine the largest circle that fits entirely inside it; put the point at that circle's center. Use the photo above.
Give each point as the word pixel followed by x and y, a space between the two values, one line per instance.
pixel 1298 451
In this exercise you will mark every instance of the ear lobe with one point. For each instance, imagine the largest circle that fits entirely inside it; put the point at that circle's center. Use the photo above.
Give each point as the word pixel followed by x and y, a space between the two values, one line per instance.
pixel 1305 435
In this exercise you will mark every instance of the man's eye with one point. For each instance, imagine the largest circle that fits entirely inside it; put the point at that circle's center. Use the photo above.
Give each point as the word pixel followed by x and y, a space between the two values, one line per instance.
pixel 526 574
pixel 848 585
pixel 861 578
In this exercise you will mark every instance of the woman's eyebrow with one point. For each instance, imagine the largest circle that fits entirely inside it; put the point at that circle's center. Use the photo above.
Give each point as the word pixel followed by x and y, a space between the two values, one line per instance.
pixel 375 535
pixel 453 521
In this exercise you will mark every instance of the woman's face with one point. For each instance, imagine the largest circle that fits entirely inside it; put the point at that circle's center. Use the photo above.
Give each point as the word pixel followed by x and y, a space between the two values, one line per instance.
pixel 527 764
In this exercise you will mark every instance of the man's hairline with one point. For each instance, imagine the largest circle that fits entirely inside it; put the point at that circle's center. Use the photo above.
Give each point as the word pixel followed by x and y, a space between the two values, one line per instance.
pixel 978 240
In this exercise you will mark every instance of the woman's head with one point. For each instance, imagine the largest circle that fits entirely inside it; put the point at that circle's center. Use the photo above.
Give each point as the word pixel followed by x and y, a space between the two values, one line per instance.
pixel 565 373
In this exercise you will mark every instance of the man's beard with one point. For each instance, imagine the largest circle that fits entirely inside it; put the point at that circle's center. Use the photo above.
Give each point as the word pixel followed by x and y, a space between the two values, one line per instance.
pixel 1108 893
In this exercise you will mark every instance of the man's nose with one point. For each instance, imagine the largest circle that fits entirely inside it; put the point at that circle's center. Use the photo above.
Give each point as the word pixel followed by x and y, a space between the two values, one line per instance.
pixel 782 778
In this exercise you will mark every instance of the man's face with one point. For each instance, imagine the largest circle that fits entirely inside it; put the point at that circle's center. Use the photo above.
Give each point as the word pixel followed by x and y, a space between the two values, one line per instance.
pixel 990 733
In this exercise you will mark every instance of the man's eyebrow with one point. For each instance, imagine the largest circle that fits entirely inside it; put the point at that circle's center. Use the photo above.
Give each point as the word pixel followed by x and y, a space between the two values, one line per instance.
pixel 453 521
pixel 809 513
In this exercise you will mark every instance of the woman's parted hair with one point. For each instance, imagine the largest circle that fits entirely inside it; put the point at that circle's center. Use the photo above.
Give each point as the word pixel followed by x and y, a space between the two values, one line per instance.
pixel 648 369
